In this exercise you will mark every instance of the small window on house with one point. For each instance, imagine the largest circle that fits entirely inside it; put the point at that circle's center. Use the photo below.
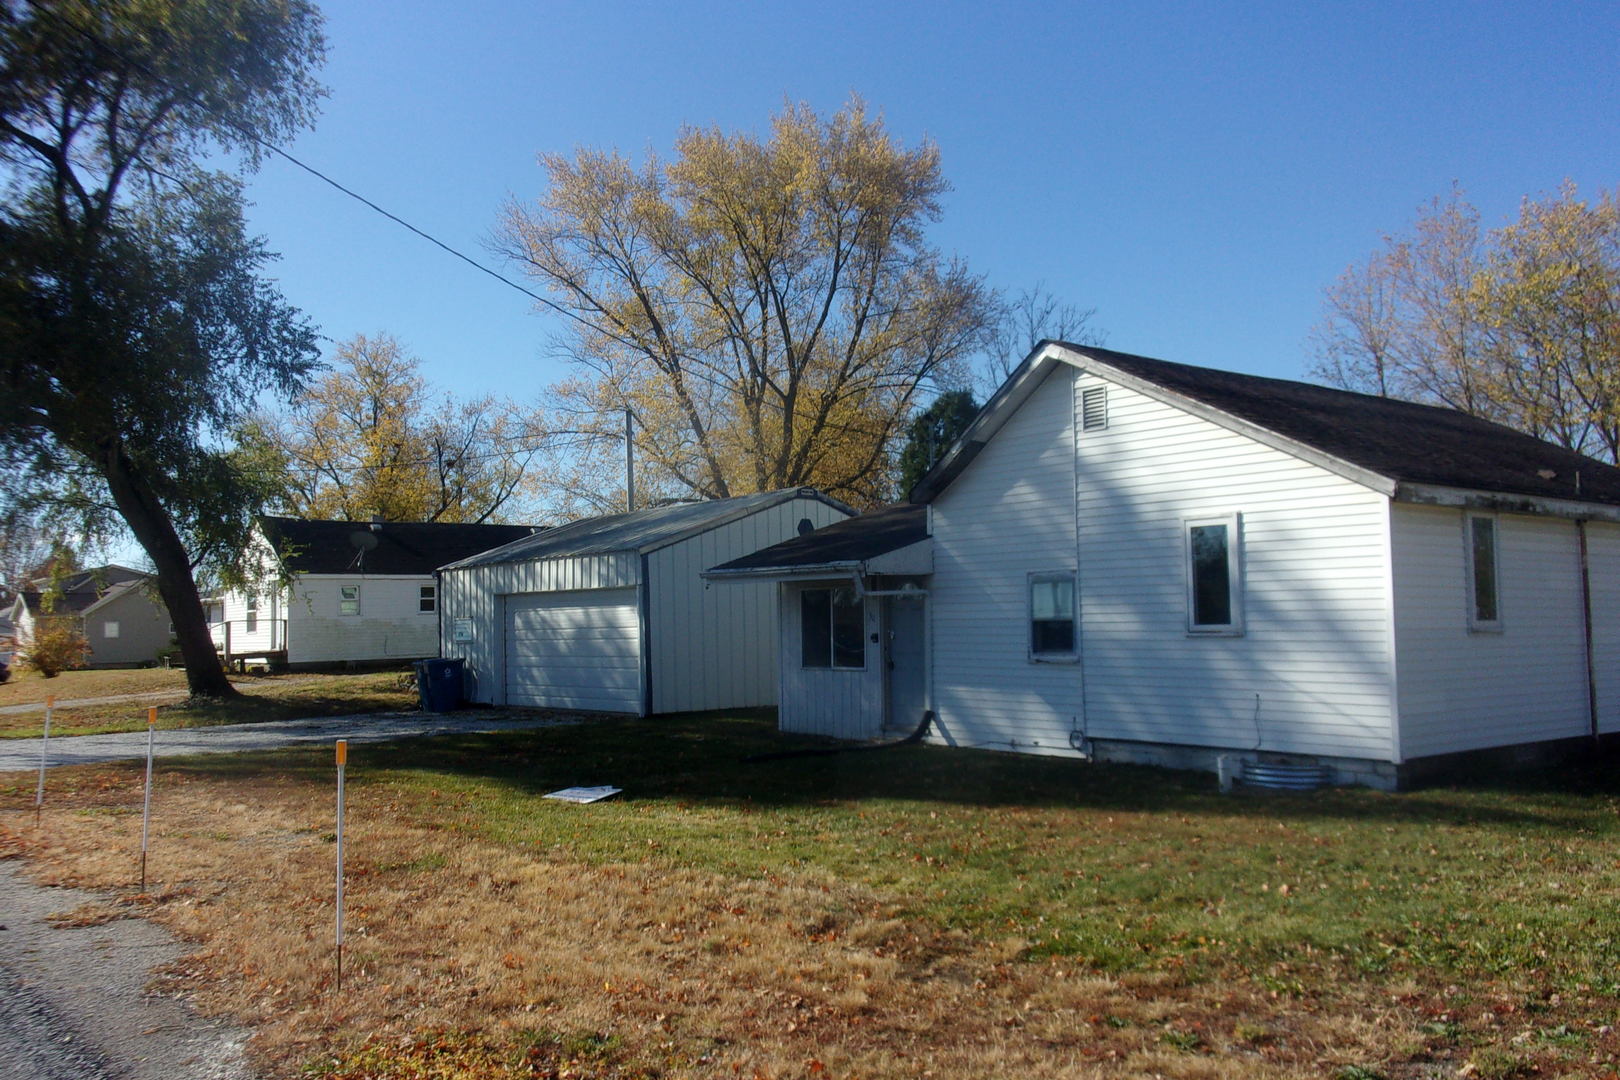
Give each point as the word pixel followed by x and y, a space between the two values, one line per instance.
pixel 1051 616
pixel 109 628
pixel 1484 603
pixel 1094 408
pixel 832 629
pixel 252 614
pixel 1214 578
pixel 348 599
pixel 427 598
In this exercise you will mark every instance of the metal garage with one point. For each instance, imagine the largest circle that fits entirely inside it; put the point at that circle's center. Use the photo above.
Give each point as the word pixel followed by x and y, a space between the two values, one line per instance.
pixel 611 613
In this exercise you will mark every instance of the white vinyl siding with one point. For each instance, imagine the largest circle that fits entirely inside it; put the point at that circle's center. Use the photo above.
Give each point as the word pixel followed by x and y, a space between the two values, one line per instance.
pixel 1527 683
pixel 574 650
pixel 1312 670
pixel 845 704
pixel 1010 513
pixel 389 627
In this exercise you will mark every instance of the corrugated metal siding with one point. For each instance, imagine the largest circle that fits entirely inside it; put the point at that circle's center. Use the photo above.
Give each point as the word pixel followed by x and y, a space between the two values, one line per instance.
pixel 822 701
pixel 1462 690
pixel 1009 514
pixel 1311 672
pixel 713 644
pixel 475 593
pixel 1603 559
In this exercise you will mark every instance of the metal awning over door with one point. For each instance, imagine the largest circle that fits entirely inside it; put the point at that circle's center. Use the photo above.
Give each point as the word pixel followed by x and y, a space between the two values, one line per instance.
pixel 574 650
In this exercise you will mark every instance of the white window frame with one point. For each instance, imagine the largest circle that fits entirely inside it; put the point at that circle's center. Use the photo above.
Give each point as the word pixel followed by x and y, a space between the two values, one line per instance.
pixel 1470 582
pixel 1234 574
pixel 427 595
pixel 344 600
pixel 1041 576
pixel 250 617
pixel 109 628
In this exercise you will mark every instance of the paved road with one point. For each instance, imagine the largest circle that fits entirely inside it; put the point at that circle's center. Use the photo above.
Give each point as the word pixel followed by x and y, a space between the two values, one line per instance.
pixel 17 754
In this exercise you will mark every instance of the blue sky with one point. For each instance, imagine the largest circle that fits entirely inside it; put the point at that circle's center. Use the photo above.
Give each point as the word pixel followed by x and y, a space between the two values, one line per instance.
pixel 1196 172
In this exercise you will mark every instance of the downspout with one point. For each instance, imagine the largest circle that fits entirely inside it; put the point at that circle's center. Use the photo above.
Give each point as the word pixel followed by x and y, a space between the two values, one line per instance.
pixel 1586 627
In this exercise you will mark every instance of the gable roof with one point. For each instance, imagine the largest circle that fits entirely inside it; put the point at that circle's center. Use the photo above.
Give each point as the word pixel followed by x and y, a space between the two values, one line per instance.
pixel 1369 437
pixel 402 547
pixel 639 530
pixel 843 543
pixel 83 590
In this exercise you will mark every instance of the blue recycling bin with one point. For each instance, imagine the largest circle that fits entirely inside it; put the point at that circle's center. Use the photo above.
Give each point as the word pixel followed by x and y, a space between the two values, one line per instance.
pixel 439 683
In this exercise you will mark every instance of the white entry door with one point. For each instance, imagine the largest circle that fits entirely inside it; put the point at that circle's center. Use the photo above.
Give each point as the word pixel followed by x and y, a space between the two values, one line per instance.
pixel 906 656
pixel 574 650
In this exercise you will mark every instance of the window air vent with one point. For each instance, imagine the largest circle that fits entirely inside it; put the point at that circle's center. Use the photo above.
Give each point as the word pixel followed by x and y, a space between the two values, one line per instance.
pixel 1094 408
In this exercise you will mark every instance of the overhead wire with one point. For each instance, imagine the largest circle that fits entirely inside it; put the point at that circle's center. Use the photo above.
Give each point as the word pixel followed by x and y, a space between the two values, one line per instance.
pixel 265 145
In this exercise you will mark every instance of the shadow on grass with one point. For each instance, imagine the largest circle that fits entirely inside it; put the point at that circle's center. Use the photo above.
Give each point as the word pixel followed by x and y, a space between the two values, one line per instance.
pixel 698 759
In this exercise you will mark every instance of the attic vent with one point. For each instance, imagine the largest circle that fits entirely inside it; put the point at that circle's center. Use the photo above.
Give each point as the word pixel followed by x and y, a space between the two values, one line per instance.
pixel 1094 408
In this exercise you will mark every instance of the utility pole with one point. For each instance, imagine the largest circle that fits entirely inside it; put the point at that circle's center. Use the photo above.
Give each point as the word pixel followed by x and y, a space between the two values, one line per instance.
pixel 629 462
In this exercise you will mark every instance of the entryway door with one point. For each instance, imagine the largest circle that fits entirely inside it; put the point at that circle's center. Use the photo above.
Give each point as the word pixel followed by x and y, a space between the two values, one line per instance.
pixel 906 661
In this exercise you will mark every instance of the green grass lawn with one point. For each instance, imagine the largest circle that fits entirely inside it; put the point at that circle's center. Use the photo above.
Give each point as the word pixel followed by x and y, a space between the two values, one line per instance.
pixel 1120 868
pixel 265 697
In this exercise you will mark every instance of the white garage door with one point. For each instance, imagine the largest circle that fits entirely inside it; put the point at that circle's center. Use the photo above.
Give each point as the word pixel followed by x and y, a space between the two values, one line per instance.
pixel 574 650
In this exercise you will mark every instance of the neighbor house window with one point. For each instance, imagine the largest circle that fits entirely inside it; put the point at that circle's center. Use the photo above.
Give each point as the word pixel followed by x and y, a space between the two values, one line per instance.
pixel 109 628
pixel 1051 616
pixel 252 614
pixel 1094 408
pixel 832 625
pixel 1484 601
pixel 427 598
pixel 348 599
pixel 1214 576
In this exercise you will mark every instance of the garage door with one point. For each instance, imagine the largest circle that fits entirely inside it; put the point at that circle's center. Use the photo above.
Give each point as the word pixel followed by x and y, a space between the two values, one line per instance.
pixel 574 650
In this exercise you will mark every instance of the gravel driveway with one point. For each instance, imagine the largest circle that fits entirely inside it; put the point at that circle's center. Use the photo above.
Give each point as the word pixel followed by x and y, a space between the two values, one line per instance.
pixel 17 754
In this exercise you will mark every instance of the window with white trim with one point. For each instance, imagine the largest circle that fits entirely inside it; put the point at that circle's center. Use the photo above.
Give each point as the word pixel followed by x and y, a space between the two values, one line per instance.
pixel 1484 576
pixel 427 598
pixel 1052 630
pixel 252 620
pixel 109 629
pixel 348 599
pixel 1214 575
pixel 832 629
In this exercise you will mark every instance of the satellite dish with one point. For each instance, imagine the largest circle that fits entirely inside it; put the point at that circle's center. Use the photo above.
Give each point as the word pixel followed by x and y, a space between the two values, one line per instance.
pixel 806 526
pixel 363 540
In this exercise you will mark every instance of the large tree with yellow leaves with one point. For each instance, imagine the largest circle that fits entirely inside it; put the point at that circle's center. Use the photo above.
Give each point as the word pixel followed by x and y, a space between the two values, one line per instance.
pixel 769 310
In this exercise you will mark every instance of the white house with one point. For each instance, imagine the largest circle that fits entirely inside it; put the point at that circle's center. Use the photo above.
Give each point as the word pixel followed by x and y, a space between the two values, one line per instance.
pixel 114 607
pixel 612 614
pixel 356 592
pixel 1139 560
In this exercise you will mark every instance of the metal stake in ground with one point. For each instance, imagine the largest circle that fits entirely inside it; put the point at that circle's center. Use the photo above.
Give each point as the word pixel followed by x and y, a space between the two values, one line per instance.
pixel 342 762
pixel 146 801
pixel 44 747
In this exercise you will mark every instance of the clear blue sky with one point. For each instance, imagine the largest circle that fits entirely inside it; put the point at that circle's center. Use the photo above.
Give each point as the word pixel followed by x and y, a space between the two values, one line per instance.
pixel 1196 172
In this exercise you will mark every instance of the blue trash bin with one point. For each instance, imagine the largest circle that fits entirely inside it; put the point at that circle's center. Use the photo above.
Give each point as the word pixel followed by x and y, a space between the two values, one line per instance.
pixel 438 682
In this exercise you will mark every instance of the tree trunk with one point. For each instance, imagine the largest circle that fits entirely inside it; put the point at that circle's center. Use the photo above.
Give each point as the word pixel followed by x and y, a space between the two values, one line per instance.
pixel 149 520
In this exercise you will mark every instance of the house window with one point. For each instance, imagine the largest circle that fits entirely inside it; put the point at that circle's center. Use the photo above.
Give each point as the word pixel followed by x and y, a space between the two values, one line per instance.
pixel 1094 408
pixel 109 628
pixel 1484 601
pixel 832 625
pixel 348 599
pixel 427 598
pixel 1214 577
pixel 252 614
pixel 1051 616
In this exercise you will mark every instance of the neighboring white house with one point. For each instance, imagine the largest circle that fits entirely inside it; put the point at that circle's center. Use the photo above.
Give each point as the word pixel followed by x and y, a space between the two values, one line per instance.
pixel 1139 560
pixel 114 607
pixel 360 592
pixel 611 613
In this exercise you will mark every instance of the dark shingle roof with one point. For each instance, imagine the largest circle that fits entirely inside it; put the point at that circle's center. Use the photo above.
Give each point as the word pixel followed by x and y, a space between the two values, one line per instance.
pixel 853 540
pixel 1400 440
pixel 82 590
pixel 640 530
pixel 328 547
